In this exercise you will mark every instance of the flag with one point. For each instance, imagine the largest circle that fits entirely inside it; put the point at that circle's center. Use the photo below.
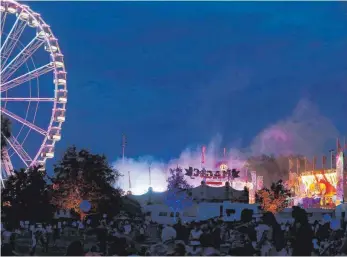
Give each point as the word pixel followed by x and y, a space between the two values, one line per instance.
pixel 324 161
pixel 297 165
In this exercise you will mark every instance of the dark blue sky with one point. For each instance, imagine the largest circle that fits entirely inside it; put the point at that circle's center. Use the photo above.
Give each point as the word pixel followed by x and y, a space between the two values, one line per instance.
pixel 173 74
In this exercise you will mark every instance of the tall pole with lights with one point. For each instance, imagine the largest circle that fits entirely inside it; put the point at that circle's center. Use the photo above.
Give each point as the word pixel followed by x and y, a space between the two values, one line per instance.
pixel 331 158
pixel 124 143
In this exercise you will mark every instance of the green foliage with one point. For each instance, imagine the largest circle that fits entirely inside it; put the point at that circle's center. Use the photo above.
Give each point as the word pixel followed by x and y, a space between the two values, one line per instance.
pixel 81 175
pixel 26 196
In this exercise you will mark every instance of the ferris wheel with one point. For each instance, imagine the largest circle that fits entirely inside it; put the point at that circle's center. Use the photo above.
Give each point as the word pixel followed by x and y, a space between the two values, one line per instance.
pixel 33 88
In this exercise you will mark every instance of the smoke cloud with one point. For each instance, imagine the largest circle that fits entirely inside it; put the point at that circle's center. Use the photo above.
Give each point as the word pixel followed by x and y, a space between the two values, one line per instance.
pixel 304 132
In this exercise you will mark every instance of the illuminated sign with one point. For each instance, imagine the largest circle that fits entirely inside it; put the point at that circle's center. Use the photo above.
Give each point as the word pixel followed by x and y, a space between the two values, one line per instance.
pixel 222 174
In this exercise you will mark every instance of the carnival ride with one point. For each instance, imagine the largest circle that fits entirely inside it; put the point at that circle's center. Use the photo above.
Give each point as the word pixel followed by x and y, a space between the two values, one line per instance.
pixel 30 57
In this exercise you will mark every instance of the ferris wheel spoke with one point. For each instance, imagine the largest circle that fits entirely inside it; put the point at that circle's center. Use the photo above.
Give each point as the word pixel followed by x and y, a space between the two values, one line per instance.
pixel 17 147
pixel 3 19
pixel 21 58
pixel 23 99
pixel 11 41
pixel 23 121
pixel 26 77
pixel 6 161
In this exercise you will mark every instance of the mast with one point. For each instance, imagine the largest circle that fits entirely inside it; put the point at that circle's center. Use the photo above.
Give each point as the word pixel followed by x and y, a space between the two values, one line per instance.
pixel 203 150
pixel 149 175
pixel 331 158
pixel 124 142
pixel 129 181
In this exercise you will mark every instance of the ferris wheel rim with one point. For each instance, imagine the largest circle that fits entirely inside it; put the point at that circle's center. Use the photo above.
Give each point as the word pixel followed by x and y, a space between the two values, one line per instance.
pixel 41 24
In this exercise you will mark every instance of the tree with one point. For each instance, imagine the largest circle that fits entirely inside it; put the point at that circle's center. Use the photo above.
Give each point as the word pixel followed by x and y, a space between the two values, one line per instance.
pixel 176 180
pixel 26 196
pixel 178 191
pixel 274 199
pixel 5 131
pixel 81 175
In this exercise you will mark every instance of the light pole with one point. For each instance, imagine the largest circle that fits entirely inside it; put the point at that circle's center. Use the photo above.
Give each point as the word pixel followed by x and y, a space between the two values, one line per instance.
pixel 331 158
pixel 149 174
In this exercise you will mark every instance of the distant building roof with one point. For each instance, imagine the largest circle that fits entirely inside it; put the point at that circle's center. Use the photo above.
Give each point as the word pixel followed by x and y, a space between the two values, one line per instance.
pixel 200 193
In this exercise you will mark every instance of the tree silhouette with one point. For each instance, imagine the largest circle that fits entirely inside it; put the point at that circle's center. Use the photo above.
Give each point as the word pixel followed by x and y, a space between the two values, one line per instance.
pixel 274 199
pixel 81 175
pixel 178 191
pixel 176 180
pixel 26 196
pixel 5 132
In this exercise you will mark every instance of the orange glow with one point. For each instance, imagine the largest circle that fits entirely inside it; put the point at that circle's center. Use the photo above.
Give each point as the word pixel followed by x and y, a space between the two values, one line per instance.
pixel 270 203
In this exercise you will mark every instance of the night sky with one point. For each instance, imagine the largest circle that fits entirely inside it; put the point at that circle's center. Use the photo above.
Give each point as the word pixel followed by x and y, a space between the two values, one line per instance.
pixel 176 74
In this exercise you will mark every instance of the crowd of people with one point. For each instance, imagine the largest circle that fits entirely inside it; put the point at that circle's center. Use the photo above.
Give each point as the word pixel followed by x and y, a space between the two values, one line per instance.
pixel 261 236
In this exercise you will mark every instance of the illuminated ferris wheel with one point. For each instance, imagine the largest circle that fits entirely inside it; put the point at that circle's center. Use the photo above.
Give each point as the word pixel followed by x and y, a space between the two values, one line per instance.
pixel 33 88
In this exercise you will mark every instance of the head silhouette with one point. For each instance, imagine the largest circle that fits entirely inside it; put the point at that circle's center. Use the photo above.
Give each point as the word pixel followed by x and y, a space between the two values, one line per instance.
pixel 75 249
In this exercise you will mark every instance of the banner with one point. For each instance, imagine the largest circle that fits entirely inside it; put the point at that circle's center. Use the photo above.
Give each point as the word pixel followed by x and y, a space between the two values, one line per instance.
pixel 215 178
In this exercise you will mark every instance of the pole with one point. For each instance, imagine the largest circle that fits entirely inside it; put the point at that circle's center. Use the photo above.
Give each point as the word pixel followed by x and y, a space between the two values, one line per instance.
pixel 203 149
pixel 123 147
pixel 129 181
pixel 331 158
pixel 149 174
